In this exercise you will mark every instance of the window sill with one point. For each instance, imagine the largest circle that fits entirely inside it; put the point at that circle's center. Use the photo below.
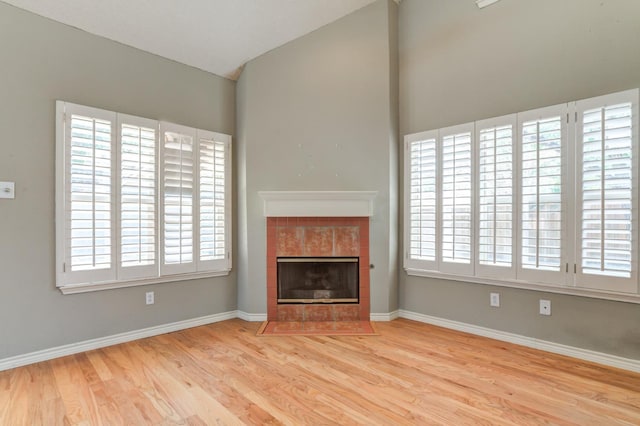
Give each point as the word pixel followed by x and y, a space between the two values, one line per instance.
pixel 86 288
pixel 572 291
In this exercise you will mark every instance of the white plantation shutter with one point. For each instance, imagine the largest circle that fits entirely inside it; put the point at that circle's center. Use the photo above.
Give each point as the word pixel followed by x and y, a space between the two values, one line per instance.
pixel 421 215
pixel 214 220
pixel 85 213
pixel 137 197
pixel 495 224
pixel 547 197
pixel 456 200
pixel 543 141
pixel 178 194
pixel 138 200
pixel 607 192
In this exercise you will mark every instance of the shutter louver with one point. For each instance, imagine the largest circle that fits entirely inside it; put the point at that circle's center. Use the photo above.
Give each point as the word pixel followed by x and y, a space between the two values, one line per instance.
pixel 607 179
pixel 423 203
pixel 178 195
pixel 542 194
pixel 137 195
pixel 212 200
pixel 495 196
pixel 456 198
pixel 89 193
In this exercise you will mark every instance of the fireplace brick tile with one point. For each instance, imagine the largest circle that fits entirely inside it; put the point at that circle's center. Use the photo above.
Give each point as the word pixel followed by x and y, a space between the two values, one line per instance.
pixel 272 279
pixel 318 313
pixel 287 326
pixel 347 241
pixel 289 241
pixel 290 312
pixel 318 241
pixel 346 312
pixel 272 312
pixel 318 326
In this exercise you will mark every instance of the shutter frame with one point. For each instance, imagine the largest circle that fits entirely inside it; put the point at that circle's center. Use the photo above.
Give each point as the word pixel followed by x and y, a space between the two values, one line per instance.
pixel 606 282
pixel 452 267
pixel 487 270
pixel 533 275
pixel 221 261
pixel 181 267
pixel 141 271
pixel 409 261
pixel 64 267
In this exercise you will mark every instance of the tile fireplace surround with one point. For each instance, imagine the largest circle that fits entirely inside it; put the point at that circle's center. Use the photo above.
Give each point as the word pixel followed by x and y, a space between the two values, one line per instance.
pixel 341 231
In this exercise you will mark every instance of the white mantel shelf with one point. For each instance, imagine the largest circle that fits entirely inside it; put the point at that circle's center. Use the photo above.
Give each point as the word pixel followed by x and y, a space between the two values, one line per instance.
pixel 318 203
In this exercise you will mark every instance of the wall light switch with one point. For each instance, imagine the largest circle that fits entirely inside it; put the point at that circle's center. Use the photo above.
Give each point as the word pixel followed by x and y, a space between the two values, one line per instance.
pixel 7 190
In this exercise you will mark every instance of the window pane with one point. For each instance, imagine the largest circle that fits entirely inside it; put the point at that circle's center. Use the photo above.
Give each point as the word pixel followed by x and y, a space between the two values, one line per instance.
pixel 541 215
pixel 137 195
pixel 90 193
pixel 212 200
pixel 422 203
pixel 456 198
pixel 178 198
pixel 496 195
pixel 606 148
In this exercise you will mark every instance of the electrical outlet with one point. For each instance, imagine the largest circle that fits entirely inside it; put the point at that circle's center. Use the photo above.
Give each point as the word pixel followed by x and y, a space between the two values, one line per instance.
pixel 8 190
pixel 494 299
pixel 545 307
pixel 149 298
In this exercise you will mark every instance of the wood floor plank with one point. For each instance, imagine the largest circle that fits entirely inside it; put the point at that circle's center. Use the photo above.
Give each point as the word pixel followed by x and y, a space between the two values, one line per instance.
pixel 411 373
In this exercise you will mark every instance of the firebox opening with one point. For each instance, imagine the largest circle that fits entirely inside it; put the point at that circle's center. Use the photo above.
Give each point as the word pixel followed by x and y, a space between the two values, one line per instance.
pixel 318 280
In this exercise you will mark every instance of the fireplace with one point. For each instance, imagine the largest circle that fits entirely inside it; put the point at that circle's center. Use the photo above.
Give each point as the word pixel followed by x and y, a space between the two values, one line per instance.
pixel 318 255
pixel 318 280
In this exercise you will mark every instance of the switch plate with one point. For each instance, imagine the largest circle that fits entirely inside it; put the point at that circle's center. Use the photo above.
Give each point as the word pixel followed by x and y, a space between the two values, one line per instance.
pixel 149 298
pixel 494 300
pixel 8 190
pixel 545 307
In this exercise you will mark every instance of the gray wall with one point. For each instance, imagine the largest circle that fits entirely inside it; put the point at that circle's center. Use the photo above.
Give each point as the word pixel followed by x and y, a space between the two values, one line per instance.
pixel 42 61
pixel 460 64
pixel 320 114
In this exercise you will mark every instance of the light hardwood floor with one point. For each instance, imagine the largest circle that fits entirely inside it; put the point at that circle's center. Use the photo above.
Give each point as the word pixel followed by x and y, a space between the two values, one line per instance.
pixel 411 373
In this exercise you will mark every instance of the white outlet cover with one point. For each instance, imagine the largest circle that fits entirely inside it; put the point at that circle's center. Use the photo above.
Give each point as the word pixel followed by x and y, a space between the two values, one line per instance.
pixel 494 299
pixel 545 307
pixel 8 190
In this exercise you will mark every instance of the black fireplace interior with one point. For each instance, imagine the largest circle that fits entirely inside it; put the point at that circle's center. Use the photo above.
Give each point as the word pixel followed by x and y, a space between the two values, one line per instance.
pixel 318 280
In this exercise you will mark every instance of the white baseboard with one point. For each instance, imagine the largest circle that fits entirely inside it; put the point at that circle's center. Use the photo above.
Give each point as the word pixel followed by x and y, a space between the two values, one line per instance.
pixel 584 354
pixel 384 317
pixel 88 345
pixel 246 316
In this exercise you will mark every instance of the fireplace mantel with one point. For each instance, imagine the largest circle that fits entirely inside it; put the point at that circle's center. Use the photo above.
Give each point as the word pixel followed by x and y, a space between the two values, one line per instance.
pixel 318 203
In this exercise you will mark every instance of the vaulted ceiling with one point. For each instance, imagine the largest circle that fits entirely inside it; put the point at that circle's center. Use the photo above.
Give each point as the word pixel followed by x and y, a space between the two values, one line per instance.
pixel 218 36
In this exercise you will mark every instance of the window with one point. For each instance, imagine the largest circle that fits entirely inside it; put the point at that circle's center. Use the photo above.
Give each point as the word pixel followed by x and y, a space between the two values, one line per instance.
pixel 138 200
pixel 543 198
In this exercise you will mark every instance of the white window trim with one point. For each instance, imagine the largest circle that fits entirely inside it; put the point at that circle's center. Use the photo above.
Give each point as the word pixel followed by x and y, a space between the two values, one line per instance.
pixel 571 283
pixel 112 279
